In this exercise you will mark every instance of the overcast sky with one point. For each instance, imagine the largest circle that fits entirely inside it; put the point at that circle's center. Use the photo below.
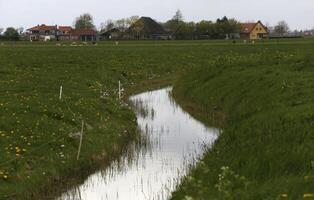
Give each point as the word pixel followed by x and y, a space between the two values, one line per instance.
pixel 26 13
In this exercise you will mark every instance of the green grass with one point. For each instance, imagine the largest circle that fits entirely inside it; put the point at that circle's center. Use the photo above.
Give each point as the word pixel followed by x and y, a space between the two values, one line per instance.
pixel 36 151
pixel 263 99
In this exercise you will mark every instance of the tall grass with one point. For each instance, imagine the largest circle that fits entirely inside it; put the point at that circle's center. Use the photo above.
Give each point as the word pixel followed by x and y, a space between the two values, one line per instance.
pixel 263 98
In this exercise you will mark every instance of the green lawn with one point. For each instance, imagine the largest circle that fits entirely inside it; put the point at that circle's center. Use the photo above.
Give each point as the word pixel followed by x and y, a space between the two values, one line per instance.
pixel 36 150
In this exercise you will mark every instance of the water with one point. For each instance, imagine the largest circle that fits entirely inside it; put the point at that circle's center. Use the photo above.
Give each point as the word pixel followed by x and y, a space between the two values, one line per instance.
pixel 153 169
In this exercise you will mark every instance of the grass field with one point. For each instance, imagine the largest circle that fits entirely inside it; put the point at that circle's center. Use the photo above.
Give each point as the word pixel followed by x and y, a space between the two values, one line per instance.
pixel 263 98
pixel 36 150
pixel 253 86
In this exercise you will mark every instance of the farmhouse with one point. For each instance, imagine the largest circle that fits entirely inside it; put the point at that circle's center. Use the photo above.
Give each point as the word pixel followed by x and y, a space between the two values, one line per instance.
pixel 64 33
pixel 147 28
pixel 43 33
pixel 253 31
pixel 61 33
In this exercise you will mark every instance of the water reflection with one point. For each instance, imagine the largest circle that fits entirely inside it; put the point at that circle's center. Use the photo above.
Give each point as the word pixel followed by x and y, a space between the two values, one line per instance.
pixel 152 169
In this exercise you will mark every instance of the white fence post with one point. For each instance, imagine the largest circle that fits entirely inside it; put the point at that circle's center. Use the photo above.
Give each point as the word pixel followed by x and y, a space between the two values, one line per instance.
pixel 119 90
pixel 60 95
pixel 81 139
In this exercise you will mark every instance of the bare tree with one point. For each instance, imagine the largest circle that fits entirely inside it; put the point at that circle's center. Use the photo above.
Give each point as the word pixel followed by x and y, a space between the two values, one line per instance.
pixel 108 25
pixel 121 24
pixel 281 28
pixel 178 16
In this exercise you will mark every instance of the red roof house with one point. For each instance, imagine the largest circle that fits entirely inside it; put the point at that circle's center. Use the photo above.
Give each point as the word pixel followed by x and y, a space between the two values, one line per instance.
pixel 253 31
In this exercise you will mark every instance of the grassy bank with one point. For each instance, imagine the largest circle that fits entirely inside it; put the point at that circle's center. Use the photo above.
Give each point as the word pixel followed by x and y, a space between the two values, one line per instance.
pixel 38 152
pixel 263 98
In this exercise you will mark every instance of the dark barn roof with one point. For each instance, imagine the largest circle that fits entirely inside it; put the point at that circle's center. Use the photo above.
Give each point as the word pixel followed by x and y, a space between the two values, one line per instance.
pixel 150 26
pixel 79 32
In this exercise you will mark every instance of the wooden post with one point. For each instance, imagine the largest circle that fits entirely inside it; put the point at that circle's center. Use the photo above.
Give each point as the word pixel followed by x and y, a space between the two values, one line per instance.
pixel 81 139
pixel 119 90
pixel 60 95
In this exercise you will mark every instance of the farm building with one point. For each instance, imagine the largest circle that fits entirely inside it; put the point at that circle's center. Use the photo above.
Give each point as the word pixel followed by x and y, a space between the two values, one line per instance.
pixel 253 31
pixel 113 34
pixel 61 33
pixel 64 33
pixel 147 28
pixel 83 35
pixel 43 33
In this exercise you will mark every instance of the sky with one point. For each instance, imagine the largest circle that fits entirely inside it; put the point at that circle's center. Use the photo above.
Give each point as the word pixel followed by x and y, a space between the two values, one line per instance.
pixel 299 14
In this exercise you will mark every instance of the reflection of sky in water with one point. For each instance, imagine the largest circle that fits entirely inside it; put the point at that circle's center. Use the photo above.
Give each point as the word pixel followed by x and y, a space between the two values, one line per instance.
pixel 175 140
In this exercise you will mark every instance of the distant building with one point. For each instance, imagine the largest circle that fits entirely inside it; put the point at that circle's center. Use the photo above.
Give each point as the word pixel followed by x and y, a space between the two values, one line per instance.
pixel 61 33
pixel 308 33
pixel 113 34
pixel 253 31
pixel 147 28
pixel 64 33
pixel 83 35
pixel 43 33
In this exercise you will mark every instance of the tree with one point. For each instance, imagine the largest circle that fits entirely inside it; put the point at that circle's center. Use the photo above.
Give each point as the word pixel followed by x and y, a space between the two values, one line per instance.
pixel 138 28
pixel 281 28
pixel 121 24
pixel 108 25
pixel 1 30
pixel 174 25
pixel 84 21
pixel 178 16
pixel 205 29
pixel 20 30
pixel 226 27
pixel 11 34
pixel 131 20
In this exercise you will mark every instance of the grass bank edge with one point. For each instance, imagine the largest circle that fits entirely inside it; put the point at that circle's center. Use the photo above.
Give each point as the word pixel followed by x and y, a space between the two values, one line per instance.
pixel 81 169
pixel 274 128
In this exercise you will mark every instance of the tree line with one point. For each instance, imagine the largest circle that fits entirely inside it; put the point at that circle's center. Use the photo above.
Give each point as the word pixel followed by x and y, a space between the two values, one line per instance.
pixel 176 26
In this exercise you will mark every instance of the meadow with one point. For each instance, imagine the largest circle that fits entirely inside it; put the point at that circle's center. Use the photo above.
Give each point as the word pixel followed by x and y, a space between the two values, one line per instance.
pixel 260 94
pixel 263 99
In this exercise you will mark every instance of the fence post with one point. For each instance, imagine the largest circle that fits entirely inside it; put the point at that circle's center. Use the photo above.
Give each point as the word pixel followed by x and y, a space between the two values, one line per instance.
pixel 60 95
pixel 81 139
pixel 119 90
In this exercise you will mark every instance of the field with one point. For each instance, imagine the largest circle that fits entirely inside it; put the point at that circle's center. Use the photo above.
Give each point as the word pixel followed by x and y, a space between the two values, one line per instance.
pixel 263 99
pixel 260 94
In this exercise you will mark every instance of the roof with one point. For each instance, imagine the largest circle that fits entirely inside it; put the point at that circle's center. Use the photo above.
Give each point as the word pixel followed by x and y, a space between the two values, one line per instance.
pixel 43 27
pixel 113 30
pixel 79 32
pixel 248 27
pixel 65 28
pixel 150 26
